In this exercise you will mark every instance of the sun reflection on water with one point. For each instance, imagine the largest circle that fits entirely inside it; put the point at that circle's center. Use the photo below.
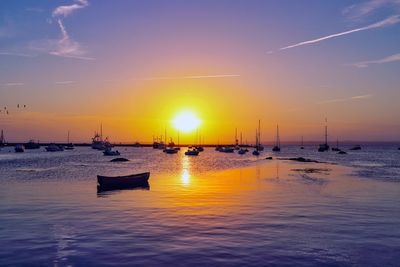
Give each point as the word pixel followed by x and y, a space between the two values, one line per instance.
pixel 185 176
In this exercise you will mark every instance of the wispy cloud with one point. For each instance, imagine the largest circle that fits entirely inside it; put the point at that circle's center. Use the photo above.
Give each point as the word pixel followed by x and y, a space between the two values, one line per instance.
pixel 14 84
pixel 64 11
pixel 66 46
pixel 188 77
pixel 16 54
pixel 352 98
pixel 383 23
pixel 65 82
pixel 388 59
pixel 365 9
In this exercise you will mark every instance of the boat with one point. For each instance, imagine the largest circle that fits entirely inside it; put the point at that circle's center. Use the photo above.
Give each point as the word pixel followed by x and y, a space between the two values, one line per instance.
pixel 159 145
pixel 54 148
pixel 227 149
pixel 69 145
pixel 277 147
pixel 109 152
pixel 256 151
pixel 137 144
pixel 302 143
pixel 337 146
pixel 259 147
pixel 200 148
pixel 356 147
pixel 105 183
pixel 19 148
pixel 242 151
pixel 32 145
pixel 324 147
pixel 2 139
pixel 192 152
pixel 98 142
pixel 170 150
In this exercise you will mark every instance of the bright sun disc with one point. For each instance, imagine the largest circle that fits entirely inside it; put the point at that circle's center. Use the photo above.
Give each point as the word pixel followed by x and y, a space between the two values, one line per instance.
pixel 186 121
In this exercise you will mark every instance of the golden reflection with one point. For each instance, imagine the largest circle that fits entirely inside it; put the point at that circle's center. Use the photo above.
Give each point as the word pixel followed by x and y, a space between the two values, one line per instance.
pixel 185 176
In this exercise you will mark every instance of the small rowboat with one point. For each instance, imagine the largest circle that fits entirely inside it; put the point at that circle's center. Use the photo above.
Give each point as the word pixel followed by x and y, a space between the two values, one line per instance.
pixel 122 182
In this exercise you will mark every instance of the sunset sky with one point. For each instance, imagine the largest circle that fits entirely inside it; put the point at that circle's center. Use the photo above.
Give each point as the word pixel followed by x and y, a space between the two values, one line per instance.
pixel 133 65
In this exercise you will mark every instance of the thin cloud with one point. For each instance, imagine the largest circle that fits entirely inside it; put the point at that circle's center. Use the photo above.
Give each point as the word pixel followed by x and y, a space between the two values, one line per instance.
pixel 365 9
pixel 338 100
pixel 14 84
pixel 67 10
pixel 65 82
pixel 189 77
pixel 383 23
pixel 388 59
pixel 66 46
pixel 16 54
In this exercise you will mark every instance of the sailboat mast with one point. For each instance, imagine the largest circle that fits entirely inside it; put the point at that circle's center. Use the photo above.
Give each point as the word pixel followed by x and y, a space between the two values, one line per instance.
pixel 101 131
pixel 278 141
pixel 68 138
pixel 326 131
pixel 236 137
pixel 241 140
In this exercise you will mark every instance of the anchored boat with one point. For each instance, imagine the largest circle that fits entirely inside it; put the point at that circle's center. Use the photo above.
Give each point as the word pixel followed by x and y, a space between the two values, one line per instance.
pixel 105 183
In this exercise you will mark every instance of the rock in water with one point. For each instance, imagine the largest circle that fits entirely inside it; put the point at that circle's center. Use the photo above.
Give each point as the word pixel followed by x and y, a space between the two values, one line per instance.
pixel 119 160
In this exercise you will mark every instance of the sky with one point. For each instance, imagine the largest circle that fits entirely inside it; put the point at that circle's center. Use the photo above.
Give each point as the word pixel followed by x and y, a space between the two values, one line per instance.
pixel 133 65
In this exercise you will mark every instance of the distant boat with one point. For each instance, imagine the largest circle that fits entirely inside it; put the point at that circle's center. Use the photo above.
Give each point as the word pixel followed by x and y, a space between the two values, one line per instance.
pixel 324 147
pixel 137 144
pixel 258 147
pixel 242 151
pixel 2 139
pixel 302 143
pixel 200 148
pixel 277 147
pixel 19 148
pixel 337 146
pixel 227 149
pixel 105 183
pixel 54 148
pixel 109 152
pixel 32 145
pixel 98 142
pixel 159 145
pixel 170 150
pixel 69 145
pixel 192 152
pixel 356 147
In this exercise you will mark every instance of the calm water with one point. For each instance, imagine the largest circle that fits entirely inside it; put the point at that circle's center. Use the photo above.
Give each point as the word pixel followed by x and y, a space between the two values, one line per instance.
pixel 212 210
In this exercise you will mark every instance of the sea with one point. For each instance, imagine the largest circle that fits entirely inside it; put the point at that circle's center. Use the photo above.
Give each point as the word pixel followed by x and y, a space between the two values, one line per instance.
pixel 215 209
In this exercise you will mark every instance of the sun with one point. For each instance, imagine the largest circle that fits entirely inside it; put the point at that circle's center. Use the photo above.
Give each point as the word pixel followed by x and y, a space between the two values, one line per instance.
pixel 186 121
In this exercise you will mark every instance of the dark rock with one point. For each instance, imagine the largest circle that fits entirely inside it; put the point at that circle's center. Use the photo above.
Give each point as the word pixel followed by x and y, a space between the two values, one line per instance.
pixel 119 160
pixel 268 158
pixel 301 159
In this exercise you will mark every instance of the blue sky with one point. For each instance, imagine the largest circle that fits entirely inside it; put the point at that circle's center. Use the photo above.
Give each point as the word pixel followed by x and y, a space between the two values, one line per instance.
pixel 332 58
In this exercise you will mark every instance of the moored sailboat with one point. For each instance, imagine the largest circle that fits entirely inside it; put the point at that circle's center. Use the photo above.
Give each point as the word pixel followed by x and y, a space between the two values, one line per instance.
pixel 277 147
pixel 324 147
